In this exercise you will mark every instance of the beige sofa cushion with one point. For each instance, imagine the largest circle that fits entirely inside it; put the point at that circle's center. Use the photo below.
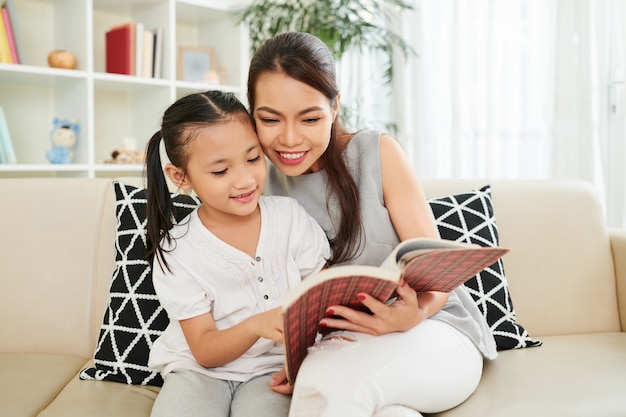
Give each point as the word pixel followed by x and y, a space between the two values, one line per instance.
pixel 29 381
pixel 576 375
pixel 47 283
pixel 101 399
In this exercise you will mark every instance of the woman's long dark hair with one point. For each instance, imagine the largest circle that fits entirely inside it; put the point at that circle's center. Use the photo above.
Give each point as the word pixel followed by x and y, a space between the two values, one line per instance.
pixel 307 59
pixel 178 127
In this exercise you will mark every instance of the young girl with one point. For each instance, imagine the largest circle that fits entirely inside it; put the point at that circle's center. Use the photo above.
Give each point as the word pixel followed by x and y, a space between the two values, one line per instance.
pixel 426 350
pixel 221 272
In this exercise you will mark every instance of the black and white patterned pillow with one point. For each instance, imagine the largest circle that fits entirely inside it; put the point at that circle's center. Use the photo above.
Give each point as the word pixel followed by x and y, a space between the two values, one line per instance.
pixel 134 318
pixel 469 217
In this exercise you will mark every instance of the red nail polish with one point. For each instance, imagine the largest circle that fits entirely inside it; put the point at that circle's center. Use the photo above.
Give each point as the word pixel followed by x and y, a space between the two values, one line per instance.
pixel 361 297
pixel 322 324
pixel 330 312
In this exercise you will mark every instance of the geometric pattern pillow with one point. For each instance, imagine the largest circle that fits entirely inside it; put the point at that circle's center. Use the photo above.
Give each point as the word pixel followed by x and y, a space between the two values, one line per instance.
pixel 134 318
pixel 469 217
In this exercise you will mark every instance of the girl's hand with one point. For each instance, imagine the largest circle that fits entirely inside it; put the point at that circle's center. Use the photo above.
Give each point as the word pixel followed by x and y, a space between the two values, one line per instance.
pixel 269 325
pixel 406 312
pixel 280 384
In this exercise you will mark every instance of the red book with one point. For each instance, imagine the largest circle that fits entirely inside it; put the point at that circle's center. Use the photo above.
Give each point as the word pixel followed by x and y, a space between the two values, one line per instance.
pixel 425 264
pixel 120 49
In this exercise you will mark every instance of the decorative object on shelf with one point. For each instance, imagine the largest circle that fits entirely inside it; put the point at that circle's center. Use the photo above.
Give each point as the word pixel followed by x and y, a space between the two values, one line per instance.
pixel 63 136
pixel 127 153
pixel 195 63
pixel 223 71
pixel 212 78
pixel 62 58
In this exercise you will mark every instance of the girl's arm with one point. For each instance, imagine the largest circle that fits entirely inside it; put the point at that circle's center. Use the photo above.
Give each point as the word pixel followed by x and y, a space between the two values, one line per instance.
pixel 212 347
pixel 411 217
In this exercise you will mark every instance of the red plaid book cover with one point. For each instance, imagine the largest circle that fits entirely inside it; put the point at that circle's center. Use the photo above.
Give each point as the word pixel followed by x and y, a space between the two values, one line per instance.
pixel 431 269
pixel 302 317
pixel 444 270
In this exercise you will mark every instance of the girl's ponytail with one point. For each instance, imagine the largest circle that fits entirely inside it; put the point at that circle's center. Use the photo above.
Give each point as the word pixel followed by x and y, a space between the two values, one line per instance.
pixel 159 207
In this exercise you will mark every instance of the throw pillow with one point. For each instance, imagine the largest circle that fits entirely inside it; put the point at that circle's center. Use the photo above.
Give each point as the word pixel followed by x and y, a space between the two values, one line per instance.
pixel 469 217
pixel 134 317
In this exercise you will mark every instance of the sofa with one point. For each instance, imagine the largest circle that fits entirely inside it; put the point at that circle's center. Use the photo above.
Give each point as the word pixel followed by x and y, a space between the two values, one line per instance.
pixel 566 274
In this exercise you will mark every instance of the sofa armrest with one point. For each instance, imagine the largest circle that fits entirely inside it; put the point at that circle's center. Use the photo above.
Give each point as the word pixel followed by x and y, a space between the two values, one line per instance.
pixel 618 247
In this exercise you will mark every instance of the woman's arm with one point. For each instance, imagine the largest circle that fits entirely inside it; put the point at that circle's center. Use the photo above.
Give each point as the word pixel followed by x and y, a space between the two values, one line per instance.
pixel 212 347
pixel 411 217
pixel 404 197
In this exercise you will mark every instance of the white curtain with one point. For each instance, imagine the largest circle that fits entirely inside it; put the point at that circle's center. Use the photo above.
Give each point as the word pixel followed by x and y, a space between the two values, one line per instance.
pixel 516 89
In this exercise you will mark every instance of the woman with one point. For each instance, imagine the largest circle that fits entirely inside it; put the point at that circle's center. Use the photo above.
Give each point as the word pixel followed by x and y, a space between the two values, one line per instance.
pixel 426 350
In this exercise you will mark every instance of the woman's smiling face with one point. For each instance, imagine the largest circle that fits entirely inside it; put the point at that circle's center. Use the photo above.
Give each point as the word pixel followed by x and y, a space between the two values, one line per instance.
pixel 293 122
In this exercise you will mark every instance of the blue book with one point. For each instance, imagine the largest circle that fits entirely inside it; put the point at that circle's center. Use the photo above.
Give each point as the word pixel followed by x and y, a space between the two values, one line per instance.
pixel 7 153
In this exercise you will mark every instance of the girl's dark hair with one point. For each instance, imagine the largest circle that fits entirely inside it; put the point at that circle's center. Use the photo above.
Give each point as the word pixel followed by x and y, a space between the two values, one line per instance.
pixel 178 127
pixel 307 59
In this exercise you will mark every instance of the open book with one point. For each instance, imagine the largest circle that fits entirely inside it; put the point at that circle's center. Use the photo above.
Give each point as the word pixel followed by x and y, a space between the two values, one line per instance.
pixel 425 264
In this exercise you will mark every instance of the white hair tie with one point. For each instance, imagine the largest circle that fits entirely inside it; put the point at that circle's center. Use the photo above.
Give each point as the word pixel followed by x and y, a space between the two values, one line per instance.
pixel 163 154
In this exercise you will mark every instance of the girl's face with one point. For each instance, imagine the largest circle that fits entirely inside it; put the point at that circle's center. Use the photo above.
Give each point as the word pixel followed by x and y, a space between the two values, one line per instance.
pixel 226 168
pixel 293 121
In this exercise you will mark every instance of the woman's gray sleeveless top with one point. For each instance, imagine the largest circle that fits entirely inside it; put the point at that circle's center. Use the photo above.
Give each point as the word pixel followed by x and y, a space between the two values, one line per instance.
pixel 362 156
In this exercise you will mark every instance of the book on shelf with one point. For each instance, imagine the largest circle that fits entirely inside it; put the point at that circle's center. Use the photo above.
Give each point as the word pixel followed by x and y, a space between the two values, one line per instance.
pixel 5 49
pixel 139 48
pixel 9 5
pixel 7 153
pixel 131 49
pixel 120 49
pixel 425 264
pixel 8 27
pixel 157 58
pixel 147 53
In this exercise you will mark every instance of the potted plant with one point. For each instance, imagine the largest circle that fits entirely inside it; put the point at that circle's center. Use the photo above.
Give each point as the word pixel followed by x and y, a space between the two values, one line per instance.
pixel 340 24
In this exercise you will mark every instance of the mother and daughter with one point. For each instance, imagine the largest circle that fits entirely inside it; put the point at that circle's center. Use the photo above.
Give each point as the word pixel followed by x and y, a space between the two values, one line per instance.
pixel 327 197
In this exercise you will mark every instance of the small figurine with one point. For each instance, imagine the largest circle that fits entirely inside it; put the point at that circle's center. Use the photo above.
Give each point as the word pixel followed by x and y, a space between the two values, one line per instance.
pixel 127 153
pixel 212 78
pixel 223 72
pixel 63 137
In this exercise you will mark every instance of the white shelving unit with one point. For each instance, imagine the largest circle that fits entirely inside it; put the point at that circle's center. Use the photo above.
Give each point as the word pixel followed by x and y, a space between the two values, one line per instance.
pixel 108 107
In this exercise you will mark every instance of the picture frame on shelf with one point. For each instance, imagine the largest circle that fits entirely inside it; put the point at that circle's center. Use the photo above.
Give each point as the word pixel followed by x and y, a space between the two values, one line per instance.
pixel 195 63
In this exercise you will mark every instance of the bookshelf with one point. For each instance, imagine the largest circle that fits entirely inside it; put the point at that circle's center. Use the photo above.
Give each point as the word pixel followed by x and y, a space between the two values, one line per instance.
pixel 110 108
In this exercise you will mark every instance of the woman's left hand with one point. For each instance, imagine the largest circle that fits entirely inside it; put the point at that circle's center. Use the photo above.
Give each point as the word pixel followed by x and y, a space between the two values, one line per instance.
pixel 280 384
pixel 406 312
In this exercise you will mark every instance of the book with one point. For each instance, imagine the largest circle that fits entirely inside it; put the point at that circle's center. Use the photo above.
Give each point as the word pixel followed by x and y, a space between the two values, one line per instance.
pixel 11 39
pixel 425 264
pixel 120 49
pixel 7 153
pixel 157 58
pixel 139 48
pixel 147 53
pixel 5 49
pixel 17 35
